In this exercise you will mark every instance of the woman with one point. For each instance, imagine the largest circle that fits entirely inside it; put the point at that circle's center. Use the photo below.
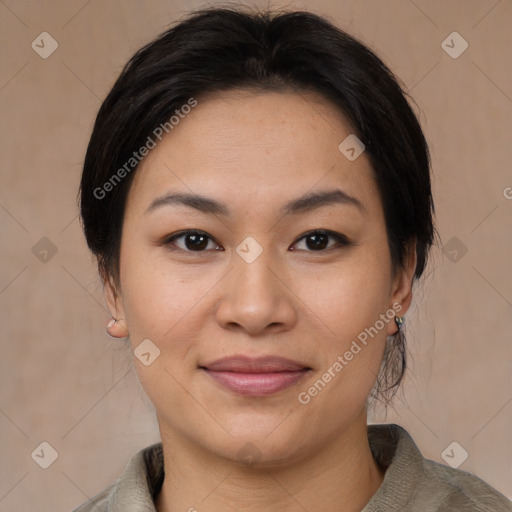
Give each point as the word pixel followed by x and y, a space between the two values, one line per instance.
pixel 257 193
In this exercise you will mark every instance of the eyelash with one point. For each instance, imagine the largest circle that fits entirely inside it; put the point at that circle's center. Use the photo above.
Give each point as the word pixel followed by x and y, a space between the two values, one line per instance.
pixel 342 240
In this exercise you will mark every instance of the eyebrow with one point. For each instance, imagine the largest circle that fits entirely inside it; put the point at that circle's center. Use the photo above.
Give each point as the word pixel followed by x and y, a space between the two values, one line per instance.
pixel 305 203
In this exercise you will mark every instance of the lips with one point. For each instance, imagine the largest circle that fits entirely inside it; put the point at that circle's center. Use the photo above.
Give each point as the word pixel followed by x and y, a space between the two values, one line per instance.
pixel 256 376
pixel 244 364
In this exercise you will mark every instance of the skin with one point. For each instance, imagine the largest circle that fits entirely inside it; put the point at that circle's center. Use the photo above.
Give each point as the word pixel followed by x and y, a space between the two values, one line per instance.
pixel 255 151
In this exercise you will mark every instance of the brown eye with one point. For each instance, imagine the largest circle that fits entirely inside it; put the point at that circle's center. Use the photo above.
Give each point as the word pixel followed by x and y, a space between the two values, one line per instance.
pixel 193 241
pixel 319 240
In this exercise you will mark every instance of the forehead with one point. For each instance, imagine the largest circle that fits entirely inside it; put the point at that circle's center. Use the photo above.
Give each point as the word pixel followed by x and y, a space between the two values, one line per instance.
pixel 254 149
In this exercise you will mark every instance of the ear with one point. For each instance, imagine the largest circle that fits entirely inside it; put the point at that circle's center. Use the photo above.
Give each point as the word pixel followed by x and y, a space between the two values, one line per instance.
pixel 117 326
pixel 401 292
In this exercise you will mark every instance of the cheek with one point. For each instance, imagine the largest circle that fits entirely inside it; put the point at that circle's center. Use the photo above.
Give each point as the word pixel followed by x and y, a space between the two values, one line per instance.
pixel 347 297
pixel 155 295
pixel 348 302
pixel 161 307
pixel 349 305
pixel 167 304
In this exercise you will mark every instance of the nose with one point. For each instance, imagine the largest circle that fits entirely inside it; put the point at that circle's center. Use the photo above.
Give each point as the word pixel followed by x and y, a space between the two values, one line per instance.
pixel 256 298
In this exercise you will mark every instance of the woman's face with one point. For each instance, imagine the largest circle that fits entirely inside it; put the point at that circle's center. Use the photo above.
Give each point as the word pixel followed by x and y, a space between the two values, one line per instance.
pixel 258 280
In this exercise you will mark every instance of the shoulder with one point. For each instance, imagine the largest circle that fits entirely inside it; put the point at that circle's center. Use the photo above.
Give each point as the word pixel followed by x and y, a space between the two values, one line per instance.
pixel 461 490
pixel 412 482
pixel 135 487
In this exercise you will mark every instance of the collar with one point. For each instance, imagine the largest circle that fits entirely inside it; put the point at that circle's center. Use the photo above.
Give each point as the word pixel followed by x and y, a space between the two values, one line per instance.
pixel 391 446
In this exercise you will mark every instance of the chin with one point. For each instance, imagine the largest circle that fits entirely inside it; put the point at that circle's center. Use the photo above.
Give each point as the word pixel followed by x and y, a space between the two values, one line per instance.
pixel 261 442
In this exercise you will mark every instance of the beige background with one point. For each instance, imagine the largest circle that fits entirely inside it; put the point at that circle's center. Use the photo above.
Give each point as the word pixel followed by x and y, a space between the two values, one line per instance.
pixel 64 382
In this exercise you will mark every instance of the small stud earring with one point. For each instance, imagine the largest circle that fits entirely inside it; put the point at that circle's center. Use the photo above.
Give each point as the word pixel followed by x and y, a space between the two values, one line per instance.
pixel 399 320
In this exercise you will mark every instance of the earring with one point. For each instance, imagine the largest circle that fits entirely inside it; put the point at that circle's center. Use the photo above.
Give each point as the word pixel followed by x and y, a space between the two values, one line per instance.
pixel 399 320
pixel 115 329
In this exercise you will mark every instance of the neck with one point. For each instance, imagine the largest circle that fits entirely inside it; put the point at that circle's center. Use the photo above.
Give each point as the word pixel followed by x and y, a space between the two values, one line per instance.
pixel 339 477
